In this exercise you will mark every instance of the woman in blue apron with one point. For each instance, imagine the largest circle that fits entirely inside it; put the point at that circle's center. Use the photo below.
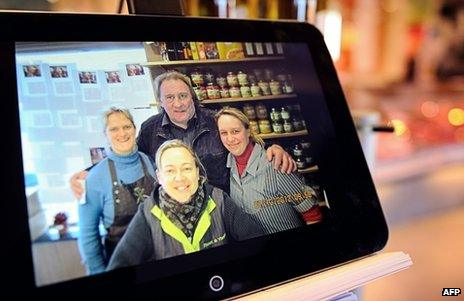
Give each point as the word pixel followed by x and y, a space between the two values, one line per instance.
pixel 114 189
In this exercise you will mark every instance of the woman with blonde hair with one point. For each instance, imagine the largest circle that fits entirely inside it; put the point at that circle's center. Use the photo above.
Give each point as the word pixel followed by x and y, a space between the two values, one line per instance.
pixel 279 201
pixel 184 214
pixel 114 189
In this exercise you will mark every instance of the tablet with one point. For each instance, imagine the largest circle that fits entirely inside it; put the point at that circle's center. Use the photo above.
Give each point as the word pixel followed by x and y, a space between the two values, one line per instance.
pixel 60 71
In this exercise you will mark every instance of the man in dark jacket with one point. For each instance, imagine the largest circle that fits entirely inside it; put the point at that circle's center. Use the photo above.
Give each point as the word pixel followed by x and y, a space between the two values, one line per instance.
pixel 182 118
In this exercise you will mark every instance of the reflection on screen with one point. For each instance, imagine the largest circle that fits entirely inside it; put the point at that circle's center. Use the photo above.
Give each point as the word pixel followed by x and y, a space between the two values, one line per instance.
pixel 97 106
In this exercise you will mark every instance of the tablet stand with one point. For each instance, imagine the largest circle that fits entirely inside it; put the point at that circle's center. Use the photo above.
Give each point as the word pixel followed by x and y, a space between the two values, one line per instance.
pixel 335 283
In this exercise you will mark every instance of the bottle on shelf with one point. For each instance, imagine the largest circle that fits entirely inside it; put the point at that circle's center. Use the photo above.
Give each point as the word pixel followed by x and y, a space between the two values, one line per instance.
pixel 275 115
pixel 285 113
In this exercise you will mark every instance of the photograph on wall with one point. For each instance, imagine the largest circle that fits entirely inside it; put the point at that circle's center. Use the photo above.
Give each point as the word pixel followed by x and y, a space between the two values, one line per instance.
pixel 87 77
pixel 97 154
pixel 32 71
pixel 112 77
pixel 59 71
pixel 134 70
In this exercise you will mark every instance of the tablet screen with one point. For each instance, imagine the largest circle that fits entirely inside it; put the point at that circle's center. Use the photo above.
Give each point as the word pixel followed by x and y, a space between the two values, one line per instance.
pixel 181 141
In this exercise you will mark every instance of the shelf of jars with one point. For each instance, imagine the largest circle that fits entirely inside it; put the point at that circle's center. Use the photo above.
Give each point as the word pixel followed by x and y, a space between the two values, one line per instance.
pixel 210 61
pixel 283 135
pixel 242 99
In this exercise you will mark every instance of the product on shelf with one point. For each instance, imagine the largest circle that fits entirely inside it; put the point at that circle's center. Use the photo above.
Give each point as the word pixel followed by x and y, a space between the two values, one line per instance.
pixel 221 80
pixel 200 92
pixel 232 79
pixel 235 92
pixel 288 127
pixel 197 77
pixel 261 111
pixel 275 86
pixel 211 50
pixel 277 127
pixel 285 113
pixel 254 127
pixel 245 91
pixel 249 111
pixel 230 50
pixel 255 90
pixel 213 91
pixel 264 126
pixel 275 115
pixel 264 87
pixel 225 92
pixel 242 78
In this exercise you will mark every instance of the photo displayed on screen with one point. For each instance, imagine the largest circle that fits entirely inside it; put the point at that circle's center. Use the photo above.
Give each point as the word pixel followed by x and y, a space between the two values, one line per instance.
pixel 195 176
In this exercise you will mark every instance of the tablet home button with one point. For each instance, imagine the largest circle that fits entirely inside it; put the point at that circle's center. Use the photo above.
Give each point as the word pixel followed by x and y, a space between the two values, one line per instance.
pixel 216 283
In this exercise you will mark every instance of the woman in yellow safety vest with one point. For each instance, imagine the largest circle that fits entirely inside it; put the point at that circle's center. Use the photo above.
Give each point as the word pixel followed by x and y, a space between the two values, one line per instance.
pixel 184 214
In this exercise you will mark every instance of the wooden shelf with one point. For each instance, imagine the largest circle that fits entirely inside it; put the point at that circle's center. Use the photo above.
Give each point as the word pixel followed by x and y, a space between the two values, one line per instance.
pixel 216 61
pixel 310 169
pixel 283 135
pixel 242 99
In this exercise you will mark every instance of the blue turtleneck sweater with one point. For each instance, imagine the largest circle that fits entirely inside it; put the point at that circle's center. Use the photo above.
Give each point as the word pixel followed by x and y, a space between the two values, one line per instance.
pixel 99 204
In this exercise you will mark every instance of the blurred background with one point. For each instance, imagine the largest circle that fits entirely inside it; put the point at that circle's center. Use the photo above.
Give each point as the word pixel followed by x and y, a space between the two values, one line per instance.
pixel 401 64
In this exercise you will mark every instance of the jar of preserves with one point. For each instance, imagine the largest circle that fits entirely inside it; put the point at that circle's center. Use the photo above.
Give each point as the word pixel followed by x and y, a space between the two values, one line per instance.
pixel 297 151
pixel 264 87
pixel 301 163
pixel 232 79
pixel 242 78
pixel 225 92
pixel 277 127
pixel 254 127
pixel 197 77
pixel 213 91
pixel 275 115
pixel 200 92
pixel 288 87
pixel 305 145
pixel 288 127
pixel 261 111
pixel 221 80
pixel 249 111
pixel 209 76
pixel 264 126
pixel 285 114
pixel 235 92
pixel 255 90
pixel 297 124
pixel 246 91
pixel 276 89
